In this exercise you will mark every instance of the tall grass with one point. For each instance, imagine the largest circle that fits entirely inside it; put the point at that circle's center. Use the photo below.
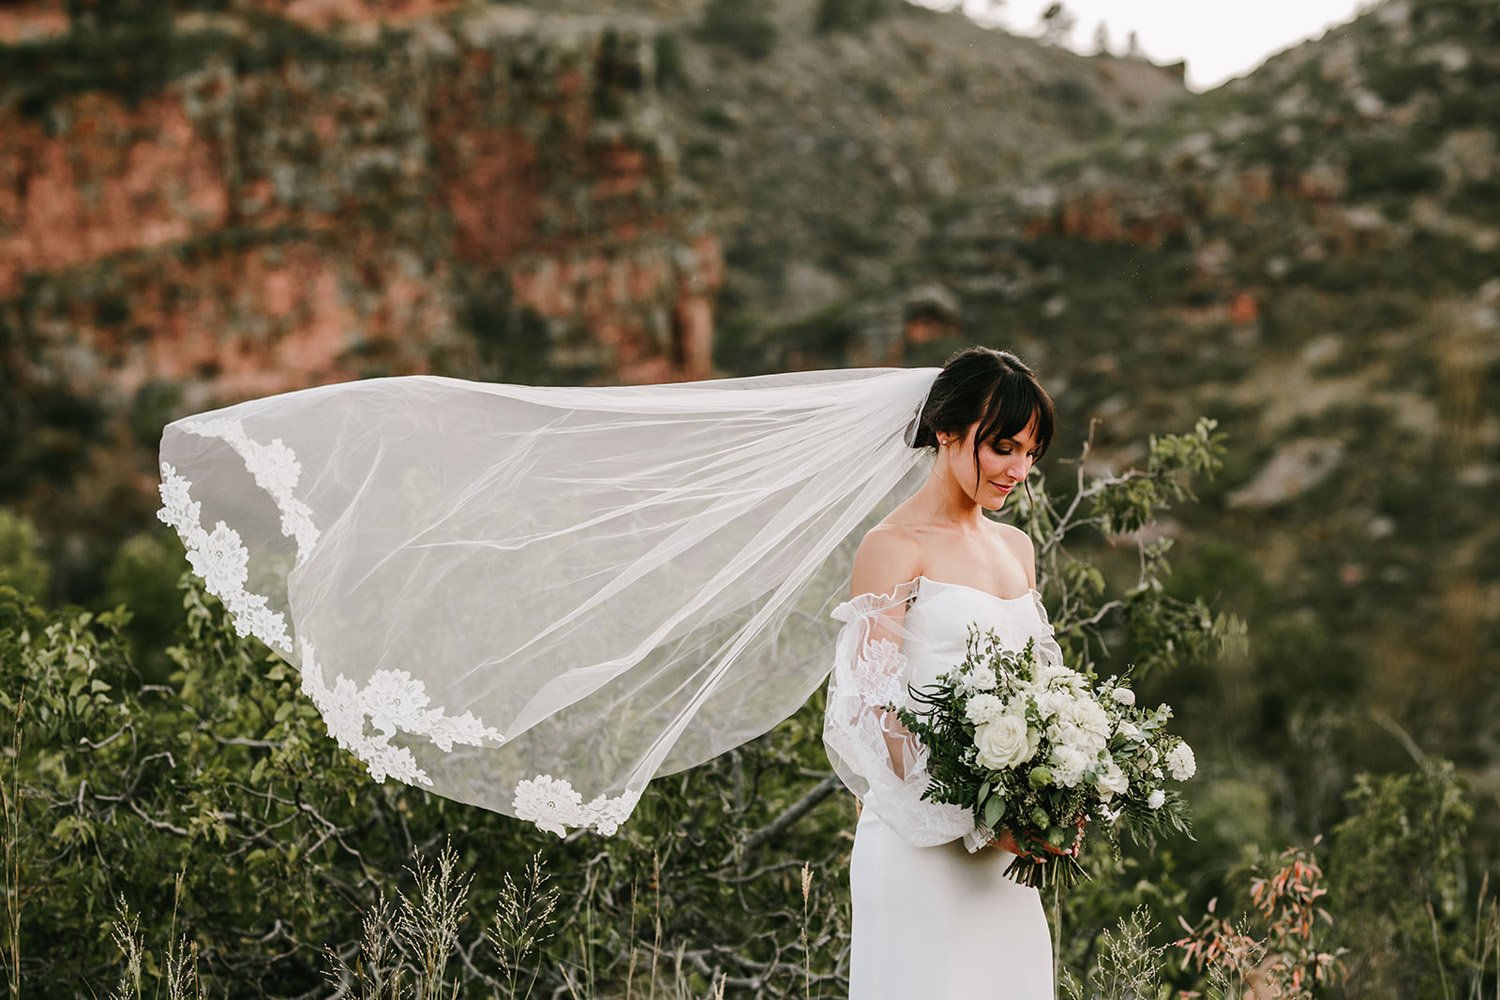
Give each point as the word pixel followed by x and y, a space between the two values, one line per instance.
pixel 179 967
pixel 406 948
pixel 11 791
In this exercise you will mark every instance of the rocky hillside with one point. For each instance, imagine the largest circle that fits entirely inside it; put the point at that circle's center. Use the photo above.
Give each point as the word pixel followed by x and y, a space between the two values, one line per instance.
pixel 823 160
pixel 1309 255
pixel 296 205
pixel 205 207
pixel 207 200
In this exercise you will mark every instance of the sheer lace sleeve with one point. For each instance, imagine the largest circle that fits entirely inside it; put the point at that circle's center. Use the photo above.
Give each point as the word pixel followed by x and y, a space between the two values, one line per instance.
pixel 870 750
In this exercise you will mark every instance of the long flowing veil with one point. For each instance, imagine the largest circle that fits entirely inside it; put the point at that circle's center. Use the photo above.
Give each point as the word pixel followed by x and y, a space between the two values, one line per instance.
pixel 536 599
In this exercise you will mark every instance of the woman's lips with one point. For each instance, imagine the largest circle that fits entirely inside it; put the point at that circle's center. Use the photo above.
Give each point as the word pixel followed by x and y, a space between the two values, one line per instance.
pixel 1002 489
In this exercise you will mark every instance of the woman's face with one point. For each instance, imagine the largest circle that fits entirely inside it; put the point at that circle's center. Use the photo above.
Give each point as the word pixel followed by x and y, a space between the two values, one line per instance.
pixel 1003 463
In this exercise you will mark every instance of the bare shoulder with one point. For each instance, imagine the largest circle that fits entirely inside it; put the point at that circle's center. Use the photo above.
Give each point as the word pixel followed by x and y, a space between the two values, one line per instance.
pixel 1015 537
pixel 887 556
pixel 1021 546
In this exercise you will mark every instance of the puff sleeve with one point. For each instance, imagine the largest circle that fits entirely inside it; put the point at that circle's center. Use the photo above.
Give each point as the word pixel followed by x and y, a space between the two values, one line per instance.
pixel 871 751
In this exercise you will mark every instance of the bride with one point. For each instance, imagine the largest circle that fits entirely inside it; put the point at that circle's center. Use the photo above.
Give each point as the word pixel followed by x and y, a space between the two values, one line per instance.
pixel 933 913
pixel 536 599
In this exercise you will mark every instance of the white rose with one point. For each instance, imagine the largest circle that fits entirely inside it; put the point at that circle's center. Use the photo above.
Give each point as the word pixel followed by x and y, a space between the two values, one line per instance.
pixel 1156 798
pixel 1111 781
pixel 1003 743
pixel 1129 730
pixel 1124 696
pixel 1180 761
pixel 983 708
pixel 1068 765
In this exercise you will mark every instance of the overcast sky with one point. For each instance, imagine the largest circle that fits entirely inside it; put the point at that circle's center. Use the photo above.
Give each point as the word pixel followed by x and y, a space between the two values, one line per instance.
pixel 1219 39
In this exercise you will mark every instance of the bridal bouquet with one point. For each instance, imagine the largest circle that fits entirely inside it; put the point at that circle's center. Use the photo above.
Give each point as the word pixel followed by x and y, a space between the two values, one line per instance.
pixel 1033 746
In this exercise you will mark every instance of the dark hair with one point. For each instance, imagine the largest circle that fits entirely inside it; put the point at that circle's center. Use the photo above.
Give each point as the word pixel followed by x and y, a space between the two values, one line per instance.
pixel 994 388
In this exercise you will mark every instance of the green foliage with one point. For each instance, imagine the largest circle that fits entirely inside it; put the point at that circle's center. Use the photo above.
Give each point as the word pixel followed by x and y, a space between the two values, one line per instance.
pixel 670 69
pixel 225 773
pixel 849 15
pixel 143 576
pixel 1384 166
pixel 220 770
pixel 745 26
pixel 1400 850
pixel 512 339
pixel 1166 631
pixel 133 49
pixel 1125 503
pixel 21 563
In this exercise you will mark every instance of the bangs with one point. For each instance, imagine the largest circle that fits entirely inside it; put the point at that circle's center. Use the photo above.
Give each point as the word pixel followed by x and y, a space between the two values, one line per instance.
pixel 1009 408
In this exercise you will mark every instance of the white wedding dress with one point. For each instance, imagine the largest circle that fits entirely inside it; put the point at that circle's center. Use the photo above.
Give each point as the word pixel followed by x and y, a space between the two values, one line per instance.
pixel 934 917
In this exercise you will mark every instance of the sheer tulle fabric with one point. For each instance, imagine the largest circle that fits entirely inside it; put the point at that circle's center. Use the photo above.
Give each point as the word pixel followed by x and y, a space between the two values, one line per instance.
pixel 870 750
pixel 535 599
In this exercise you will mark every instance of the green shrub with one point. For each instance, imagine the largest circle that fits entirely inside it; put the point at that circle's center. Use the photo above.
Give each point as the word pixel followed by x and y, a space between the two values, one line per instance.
pixel 21 563
pixel 744 26
pixel 1399 851
pixel 143 576
pixel 849 15
pixel 670 69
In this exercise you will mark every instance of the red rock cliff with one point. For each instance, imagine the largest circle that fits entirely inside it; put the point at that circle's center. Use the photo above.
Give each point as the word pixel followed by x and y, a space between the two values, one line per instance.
pixel 337 190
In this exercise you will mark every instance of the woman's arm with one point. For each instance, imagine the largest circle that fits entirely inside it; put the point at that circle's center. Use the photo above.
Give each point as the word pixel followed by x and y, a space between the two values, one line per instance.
pixel 887 558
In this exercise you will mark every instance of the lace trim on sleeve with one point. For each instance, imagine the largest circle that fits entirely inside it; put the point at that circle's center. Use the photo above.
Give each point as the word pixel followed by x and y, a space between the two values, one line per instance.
pixel 864 742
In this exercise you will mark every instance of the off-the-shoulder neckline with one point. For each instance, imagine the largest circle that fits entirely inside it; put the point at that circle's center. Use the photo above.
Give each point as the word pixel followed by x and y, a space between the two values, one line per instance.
pixel 1030 591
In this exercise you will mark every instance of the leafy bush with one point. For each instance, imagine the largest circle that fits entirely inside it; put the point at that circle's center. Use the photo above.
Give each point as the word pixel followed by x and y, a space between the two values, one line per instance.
pixel 1397 869
pixel 222 773
pixel 742 25
pixel 21 564
pixel 849 15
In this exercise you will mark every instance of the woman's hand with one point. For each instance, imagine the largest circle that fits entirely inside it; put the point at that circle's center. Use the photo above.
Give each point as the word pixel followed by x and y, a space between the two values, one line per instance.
pixel 1007 842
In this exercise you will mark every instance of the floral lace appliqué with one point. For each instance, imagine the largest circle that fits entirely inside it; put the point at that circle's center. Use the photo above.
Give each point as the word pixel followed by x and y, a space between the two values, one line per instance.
pixel 392 700
pixel 877 672
pixel 276 470
pixel 553 805
pixel 222 561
